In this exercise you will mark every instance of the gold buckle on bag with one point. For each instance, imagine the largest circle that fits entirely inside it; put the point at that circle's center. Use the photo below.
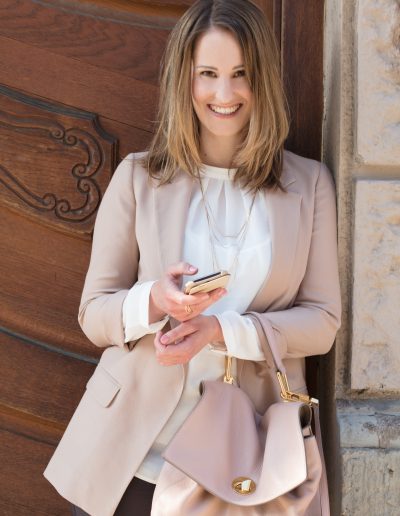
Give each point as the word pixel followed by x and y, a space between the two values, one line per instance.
pixel 244 485
pixel 288 395
pixel 228 378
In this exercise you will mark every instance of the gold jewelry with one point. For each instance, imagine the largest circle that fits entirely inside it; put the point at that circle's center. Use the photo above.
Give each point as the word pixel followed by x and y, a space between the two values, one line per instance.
pixel 216 229
pixel 241 235
pixel 188 309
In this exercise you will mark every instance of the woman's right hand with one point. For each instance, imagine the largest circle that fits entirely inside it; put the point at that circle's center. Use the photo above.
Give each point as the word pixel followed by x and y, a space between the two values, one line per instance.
pixel 166 298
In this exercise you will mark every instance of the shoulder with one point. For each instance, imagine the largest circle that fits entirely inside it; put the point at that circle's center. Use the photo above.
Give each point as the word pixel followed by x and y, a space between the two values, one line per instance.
pixel 130 172
pixel 128 178
pixel 131 164
pixel 304 173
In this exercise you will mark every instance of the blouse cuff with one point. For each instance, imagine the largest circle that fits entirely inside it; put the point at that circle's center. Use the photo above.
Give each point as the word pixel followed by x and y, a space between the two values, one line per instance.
pixel 135 312
pixel 240 336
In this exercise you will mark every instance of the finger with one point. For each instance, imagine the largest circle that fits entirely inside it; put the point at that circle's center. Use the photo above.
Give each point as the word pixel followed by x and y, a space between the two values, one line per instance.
pixel 196 309
pixel 189 299
pixel 163 358
pixel 167 355
pixel 182 268
pixel 173 294
pixel 177 354
pixel 213 297
pixel 160 347
pixel 177 333
pixel 216 294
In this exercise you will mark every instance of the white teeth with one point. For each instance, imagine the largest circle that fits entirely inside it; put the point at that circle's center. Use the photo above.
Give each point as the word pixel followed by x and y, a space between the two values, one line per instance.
pixel 225 111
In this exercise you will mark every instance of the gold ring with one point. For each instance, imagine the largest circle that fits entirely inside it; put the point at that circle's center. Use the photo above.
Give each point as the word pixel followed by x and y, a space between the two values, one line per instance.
pixel 188 309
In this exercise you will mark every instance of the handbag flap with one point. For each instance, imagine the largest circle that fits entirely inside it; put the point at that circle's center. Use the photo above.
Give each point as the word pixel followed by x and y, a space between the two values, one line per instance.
pixel 224 438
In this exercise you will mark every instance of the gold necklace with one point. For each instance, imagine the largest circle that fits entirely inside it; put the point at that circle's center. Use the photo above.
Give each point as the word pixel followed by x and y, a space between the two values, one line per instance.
pixel 241 235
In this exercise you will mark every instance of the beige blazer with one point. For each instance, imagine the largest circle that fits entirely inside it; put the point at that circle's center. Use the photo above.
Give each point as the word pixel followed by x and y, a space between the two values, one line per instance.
pixel 130 397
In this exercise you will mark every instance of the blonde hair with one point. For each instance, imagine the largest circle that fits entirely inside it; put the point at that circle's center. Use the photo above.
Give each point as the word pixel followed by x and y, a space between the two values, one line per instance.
pixel 176 142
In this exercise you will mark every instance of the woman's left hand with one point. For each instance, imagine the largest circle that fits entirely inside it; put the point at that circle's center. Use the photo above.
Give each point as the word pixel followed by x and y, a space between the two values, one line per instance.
pixel 182 343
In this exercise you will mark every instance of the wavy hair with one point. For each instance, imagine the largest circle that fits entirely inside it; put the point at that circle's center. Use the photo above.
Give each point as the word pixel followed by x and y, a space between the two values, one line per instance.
pixel 176 142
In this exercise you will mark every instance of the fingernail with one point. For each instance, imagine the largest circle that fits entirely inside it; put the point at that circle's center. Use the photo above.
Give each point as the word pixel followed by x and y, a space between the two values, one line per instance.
pixel 164 339
pixel 192 269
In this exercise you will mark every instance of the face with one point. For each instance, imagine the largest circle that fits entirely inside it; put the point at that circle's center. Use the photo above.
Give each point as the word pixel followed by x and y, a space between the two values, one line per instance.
pixel 221 94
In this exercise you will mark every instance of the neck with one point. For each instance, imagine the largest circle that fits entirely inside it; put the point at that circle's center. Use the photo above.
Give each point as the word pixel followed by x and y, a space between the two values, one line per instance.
pixel 218 151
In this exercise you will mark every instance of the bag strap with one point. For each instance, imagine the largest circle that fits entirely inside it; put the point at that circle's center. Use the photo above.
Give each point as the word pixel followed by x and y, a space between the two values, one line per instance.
pixel 274 361
pixel 268 342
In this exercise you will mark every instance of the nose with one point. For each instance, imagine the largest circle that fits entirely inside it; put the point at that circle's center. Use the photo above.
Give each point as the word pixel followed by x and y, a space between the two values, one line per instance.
pixel 224 90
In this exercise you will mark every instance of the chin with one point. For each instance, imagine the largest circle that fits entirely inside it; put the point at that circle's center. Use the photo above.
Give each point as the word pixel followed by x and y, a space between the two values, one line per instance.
pixel 226 134
pixel 228 130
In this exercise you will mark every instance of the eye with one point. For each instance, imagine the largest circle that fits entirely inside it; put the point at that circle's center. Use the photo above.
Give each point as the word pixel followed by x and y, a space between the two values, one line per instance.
pixel 208 73
pixel 240 73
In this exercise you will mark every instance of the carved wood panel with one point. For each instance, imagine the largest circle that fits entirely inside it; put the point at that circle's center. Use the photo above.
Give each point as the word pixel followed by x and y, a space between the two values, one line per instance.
pixel 67 159
pixel 78 91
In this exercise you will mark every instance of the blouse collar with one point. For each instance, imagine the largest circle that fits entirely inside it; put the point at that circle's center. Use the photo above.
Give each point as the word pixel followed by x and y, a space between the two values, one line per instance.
pixel 210 171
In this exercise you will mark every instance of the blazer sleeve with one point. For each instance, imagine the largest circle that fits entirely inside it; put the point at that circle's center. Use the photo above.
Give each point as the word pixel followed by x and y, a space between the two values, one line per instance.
pixel 309 327
pixel 113 263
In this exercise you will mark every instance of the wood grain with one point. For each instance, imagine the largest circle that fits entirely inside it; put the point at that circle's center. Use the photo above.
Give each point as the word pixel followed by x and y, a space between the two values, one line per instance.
pixel 302 54
pixel 42 277
pixel 131 139
pixel 131 46
pixel 73 83
pixel 23 488
pixel 45 383
pixel 42 389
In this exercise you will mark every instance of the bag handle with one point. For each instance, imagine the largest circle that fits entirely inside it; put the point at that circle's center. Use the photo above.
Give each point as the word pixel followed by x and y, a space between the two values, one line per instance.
pixel 274 361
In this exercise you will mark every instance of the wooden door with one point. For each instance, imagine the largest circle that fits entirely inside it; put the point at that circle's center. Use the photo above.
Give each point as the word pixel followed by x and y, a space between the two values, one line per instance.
pixel 78 88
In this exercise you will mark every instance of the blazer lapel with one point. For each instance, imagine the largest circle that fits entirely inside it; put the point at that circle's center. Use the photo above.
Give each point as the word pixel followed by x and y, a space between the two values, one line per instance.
pixel 284 218
pixel 171 204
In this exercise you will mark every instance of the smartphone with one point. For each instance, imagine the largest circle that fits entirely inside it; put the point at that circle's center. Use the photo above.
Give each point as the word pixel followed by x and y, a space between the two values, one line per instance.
pixel 207 283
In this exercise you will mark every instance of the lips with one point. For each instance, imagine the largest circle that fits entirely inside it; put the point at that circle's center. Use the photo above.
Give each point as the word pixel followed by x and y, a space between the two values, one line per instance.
pixel 224 111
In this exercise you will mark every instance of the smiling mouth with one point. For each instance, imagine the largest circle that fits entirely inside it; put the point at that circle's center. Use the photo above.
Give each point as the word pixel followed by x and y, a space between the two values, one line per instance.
pixel 224 111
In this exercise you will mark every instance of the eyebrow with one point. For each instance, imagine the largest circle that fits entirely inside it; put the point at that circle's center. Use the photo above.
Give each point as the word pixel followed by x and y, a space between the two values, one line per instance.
pixel 213 67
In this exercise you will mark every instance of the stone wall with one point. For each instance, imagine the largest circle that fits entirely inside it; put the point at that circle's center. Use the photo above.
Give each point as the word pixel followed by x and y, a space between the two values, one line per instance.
pixel 361 376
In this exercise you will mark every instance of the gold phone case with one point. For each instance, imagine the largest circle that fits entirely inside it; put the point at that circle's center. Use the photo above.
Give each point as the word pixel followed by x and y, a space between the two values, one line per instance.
pixel 208 283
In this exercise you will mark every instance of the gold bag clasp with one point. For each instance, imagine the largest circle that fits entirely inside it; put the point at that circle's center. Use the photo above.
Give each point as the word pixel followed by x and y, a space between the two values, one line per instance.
pixel 288 395
pixel 244 485
pixel 228 378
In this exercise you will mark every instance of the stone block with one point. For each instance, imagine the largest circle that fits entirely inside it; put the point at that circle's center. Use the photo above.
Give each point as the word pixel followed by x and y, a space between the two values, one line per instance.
pixel 369 423
pixel 375 360
pixel 378 81
pixel 370 482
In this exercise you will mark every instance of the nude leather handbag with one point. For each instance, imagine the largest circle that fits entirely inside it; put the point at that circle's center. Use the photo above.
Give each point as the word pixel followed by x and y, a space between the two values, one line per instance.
pixel 228 460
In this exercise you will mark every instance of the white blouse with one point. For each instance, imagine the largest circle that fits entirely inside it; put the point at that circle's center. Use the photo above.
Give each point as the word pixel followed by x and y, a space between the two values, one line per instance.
pixel 228 206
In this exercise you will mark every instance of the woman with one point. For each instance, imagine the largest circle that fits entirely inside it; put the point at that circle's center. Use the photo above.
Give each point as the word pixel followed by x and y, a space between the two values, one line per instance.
pixel 214 191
